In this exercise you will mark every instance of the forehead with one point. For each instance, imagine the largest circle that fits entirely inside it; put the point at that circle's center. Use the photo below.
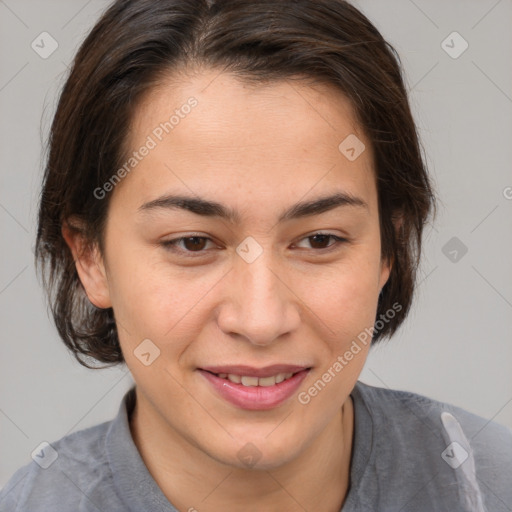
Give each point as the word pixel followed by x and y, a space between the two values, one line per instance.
pixel 246 138
pixel 235 109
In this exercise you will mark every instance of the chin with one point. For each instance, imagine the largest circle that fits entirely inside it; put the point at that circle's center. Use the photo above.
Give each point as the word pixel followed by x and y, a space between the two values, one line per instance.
pixel 258 452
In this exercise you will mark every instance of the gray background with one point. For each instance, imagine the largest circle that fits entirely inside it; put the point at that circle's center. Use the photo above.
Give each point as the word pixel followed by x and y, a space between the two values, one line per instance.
pixel 456 345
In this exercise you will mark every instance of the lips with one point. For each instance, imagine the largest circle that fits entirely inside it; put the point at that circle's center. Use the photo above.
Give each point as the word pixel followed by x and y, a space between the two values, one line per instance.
pixel 255 388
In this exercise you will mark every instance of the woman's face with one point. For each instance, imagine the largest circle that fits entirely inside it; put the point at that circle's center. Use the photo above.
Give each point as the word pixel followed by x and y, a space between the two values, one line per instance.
pixel 249 286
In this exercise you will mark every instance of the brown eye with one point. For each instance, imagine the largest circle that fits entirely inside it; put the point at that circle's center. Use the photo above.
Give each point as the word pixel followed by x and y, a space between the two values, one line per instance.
pixel 194 243
pixel 187 244
pixel 320 241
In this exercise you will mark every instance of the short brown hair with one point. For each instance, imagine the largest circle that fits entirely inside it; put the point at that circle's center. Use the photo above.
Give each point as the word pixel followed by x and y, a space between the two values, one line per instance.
pixel 136 43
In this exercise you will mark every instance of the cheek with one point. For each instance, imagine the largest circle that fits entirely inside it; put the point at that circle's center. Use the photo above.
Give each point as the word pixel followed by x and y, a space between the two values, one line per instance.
pixel 345 297
pixel 345 301
pixel 153 299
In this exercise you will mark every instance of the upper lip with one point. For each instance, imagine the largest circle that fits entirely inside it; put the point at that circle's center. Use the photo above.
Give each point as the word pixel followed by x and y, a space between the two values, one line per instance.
pixel 251 371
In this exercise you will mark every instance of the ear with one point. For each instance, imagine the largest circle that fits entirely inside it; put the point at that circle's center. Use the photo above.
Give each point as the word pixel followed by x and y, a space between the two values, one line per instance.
pixel 385 271
pixel 387 264
pixel 89 265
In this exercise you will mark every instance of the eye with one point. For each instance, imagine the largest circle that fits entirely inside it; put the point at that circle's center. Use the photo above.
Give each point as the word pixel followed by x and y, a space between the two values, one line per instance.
pixel 187 244
pixel 319 240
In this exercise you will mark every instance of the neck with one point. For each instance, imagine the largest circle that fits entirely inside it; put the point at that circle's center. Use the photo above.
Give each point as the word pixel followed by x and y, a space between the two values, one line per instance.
pixel 318 479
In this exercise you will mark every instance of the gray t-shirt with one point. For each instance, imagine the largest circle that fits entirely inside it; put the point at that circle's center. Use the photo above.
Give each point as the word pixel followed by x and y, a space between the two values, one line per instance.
pixel 410 454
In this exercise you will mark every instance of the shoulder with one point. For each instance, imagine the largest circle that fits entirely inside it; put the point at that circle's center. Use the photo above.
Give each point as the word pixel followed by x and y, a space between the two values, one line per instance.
pixel 76 465
pixel 441 438
pixel 399 406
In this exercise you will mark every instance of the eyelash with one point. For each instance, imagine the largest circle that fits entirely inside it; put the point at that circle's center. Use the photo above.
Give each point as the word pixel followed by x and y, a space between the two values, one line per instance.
pixel 171 245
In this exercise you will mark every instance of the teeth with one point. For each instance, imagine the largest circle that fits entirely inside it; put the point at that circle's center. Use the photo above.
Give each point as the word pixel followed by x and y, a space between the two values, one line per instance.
pixel 249 381
pixel 280 377
pixel 255 381
pixel 267 381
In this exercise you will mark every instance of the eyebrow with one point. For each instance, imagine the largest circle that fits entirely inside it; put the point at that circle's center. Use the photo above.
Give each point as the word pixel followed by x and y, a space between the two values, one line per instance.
pixel 209 208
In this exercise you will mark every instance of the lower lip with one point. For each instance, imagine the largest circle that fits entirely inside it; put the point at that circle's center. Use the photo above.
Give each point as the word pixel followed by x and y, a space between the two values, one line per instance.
pixel 255 398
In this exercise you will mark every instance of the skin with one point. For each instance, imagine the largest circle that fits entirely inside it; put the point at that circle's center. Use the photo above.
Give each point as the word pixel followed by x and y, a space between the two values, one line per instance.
pixel 258 149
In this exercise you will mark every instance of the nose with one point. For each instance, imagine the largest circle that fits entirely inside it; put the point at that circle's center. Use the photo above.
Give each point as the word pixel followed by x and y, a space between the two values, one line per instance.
pixel 259 304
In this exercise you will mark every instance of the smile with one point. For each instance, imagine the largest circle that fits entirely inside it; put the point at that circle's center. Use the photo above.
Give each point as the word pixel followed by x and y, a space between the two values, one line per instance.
pixel 245 389
pixel 248 381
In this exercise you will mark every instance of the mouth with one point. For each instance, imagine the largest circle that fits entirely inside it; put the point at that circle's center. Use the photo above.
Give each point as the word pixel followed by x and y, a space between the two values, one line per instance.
pixel 255 389
pixel 249 381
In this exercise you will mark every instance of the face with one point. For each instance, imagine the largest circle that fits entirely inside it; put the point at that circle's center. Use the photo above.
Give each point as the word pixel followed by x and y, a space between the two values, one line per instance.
pixel 269 282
